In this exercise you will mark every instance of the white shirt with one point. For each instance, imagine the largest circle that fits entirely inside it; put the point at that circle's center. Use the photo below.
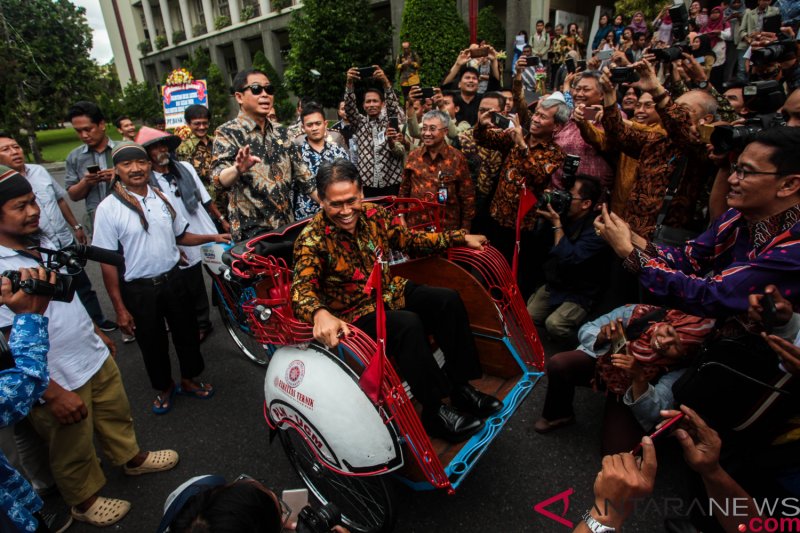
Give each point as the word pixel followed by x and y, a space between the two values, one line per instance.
pixel 48 192
pixel 199 221
pixel 76 352
pixel 147 253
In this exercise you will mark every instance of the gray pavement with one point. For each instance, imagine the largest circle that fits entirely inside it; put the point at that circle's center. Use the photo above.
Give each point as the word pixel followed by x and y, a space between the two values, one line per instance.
pixel 227 435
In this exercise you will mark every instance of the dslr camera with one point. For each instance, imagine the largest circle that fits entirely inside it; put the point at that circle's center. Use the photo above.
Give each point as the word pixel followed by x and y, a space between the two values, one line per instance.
pixel 560 200
pixel 320 520
pixel 781 50
pixel 680 32
pixel 764 98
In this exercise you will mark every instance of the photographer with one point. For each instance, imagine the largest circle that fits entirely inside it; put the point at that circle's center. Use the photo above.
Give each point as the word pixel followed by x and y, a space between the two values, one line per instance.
pixel 576 264
pixel 23 380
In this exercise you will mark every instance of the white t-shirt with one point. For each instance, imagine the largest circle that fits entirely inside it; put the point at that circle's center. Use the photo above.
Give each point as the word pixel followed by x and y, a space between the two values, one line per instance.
pixel 199 221
pixel 147 253
pixel 48 192
pixel 76 352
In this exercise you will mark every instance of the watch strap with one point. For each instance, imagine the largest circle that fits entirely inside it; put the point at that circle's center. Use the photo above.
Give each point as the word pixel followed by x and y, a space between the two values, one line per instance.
pixel 595 526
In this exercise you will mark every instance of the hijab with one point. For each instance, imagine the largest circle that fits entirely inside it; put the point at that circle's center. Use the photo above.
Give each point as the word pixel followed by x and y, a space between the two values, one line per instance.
pixel 640 27
pixel 715 25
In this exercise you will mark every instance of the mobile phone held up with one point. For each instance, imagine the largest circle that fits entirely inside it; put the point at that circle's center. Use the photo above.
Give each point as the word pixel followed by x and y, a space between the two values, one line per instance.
pixel 570 65
pixel 501 121
pixel 660 431
pixel 479 52
pixel 427 92
pixel 93 169
pixel 394 123
pixel 532 61
pixel 590 113
pixel 366 72
pixel 604 55
pixel 624 75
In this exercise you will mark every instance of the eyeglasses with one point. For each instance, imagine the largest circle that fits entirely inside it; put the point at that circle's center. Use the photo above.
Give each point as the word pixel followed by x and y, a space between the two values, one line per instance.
pixel 431 129
pixel 256 89
pixel 742 173
pixel 286 511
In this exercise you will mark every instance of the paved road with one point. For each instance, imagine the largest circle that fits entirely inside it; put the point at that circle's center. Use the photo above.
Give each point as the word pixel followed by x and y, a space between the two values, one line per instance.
pixel 227 435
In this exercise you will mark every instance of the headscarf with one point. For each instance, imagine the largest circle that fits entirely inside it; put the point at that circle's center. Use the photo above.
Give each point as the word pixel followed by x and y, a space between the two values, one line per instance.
pixel 719 25
pixel 642 26
pixel 705 47
pixel 691 331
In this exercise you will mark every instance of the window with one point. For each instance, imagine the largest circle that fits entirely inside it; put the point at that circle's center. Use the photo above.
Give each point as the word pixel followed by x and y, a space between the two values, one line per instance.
pixel 224 8
pixel 201 14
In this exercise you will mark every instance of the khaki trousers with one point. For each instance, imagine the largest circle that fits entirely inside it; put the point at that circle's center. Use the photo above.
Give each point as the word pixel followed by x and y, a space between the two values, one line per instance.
pixel 561 322
pixel 73 458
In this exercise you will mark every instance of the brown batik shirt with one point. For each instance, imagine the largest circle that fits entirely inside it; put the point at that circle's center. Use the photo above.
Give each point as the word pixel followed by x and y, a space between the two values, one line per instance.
pixel 529 167
pixel 426 174
pixel 487 162
pixel 263 197
pixel 332 266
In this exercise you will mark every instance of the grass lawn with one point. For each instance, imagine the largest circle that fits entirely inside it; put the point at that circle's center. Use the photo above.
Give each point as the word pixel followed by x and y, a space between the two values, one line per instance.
pixel 56 144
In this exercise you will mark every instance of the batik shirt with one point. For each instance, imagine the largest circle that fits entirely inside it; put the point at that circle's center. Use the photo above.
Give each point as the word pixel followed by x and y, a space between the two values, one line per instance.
pixel 380 161
pixel 197 153
pixel 484 162
pixel 20 386
pixel 263 197
pixel 425 176
pixel 530 167
pixel 714 274
pixel 331 265
pixel 304 206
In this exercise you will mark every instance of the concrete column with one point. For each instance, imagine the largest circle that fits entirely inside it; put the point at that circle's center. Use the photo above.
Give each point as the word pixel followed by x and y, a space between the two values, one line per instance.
pixel 186 18
pixel 264 4
pixel 236 11
pixel 218 59
pixel 242 52
pixel 167 18
pixel 148 19
pixel 208 14
pixel 272 50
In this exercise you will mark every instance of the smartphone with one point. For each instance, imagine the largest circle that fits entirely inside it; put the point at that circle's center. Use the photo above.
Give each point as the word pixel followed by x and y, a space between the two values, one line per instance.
pixel 500 121
pixel 590 113
pixel 394 123
pixel 772 24
pixel 296 499
pixel 770 313
pixel 93 169
pixel 624 75
pixel 365 72
pixel 570 65
pixel 479 52
pixel 427 92
pixel 605 55
pixel 581 65
pixel 532 61
pixel 705 131
pixel 660 431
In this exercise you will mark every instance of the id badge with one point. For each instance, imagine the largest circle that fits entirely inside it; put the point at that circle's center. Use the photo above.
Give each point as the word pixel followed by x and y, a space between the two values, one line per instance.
pixel 441 195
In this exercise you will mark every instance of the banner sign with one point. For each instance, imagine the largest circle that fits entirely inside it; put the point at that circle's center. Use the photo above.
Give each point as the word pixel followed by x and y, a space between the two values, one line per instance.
pixel 176 98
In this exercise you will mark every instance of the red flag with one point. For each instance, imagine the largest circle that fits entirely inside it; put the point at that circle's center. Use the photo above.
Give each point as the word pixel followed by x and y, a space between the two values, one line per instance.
pixel 372 377
pixel 527 201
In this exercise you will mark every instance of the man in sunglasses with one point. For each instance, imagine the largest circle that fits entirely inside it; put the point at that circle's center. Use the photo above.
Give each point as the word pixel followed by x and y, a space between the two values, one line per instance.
pixel 255 160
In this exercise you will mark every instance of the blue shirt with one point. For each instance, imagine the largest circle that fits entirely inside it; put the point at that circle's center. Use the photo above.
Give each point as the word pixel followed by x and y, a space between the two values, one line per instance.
pixel 304 206
pixel 19 388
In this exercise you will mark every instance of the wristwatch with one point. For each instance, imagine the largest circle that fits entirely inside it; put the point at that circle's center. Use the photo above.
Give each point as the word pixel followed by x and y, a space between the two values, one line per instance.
pixel 702 85
pixel 76 227
pixel 595 526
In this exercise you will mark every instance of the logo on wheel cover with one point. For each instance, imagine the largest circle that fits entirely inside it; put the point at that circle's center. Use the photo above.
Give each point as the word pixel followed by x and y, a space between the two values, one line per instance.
pixel 295 373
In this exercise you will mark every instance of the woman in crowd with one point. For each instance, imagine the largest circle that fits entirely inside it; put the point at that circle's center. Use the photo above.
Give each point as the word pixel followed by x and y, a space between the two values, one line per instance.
pixel 575 39
pixel 602 31
pixel 619 27
pixel 663 26
pixel 701 50
pixel 718 30
pixel 638 24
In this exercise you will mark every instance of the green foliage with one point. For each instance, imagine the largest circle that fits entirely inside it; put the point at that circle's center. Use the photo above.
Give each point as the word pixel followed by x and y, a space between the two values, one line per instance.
pixel 145 47
pixel 218 96
pixel 161 42
pixel 490 28
pixel 44 62
pixel 437 33
pixel 222 21
pixel 277 5
pixel 330 37
pixel 284 107
pixel 140 101
pixel 248 12
pixel 198 29
pixel 650 8
pixel 199 62
pixel 178 36
pixel 109 93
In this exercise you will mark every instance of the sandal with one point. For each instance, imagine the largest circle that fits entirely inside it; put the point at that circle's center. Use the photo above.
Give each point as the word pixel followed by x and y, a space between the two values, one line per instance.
pixel 103 512
pixel 163 403
pixel 154 462
pixel 204 391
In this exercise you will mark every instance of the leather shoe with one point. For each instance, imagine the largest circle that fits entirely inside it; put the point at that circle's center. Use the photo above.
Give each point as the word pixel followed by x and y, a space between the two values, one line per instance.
pixel 450 424
pixel 546 426
pixel 466 398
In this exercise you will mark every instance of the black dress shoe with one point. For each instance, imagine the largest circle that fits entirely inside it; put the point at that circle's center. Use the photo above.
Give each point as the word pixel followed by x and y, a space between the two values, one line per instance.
pixel 466 398
pixel 450 424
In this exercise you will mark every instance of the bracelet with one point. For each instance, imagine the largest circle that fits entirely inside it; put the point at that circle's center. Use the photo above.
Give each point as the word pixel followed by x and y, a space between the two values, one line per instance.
pixel 557 228
pixel 660 97
pixel 77 227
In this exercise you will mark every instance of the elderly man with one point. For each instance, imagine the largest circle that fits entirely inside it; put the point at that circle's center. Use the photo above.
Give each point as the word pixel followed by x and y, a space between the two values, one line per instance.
pixel 328 292
pixel 256 162
pixel 379 146
pixel 439 172
pixel 141 221
pixel 85 397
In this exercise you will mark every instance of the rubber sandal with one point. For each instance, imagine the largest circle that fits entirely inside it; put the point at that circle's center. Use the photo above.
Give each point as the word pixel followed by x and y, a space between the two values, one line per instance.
pixel 154 462
pixel 204 391
pixel 164 405
pixel 103 512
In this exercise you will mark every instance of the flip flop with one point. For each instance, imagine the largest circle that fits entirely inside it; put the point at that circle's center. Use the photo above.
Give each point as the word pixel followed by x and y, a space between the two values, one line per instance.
pixel 163 404
pixel 103 512
pixel 154 462
pixel 204 391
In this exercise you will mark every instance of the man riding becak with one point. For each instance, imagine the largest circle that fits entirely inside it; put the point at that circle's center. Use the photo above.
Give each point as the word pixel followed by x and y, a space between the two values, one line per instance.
pixel 333 258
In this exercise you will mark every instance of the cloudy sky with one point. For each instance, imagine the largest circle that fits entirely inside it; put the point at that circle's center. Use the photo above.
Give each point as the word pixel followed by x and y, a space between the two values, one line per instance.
pixel 101 50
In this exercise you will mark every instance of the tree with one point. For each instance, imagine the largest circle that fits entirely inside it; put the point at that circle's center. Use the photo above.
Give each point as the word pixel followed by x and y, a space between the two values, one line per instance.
pixel 109 93
pixel 45 63
pixel 490 28
pixel 327 38
pixel 650 8
pixel 140 101
pixel 284 107
pixel 436 31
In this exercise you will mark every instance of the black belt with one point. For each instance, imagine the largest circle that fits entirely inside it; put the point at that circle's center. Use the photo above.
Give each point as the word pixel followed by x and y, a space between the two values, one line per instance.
pixel 157 280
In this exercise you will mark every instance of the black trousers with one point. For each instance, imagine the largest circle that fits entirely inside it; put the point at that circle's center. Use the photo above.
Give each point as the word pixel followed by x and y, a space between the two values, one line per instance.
pixel 150 303
pixel 197 288
pixel 532 253
pixel 429 311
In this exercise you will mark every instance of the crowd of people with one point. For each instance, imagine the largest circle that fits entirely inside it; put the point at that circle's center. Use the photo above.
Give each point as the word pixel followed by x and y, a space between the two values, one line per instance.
pixel 664 241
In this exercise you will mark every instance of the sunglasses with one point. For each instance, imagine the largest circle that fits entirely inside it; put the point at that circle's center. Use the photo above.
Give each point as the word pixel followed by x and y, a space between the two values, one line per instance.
pixel 256 89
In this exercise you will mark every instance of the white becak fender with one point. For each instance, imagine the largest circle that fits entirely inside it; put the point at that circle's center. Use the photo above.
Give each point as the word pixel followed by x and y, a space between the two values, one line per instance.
pixel 312 391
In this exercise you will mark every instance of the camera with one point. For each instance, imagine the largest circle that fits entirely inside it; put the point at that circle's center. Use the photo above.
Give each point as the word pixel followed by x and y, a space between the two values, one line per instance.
pixel 764 97
pixel 61 291
pixel 680 22
pixel 624 75
pixel 673 53
pixel 780 50
pixel 558 200
pixel 501 121
pixel 320 520
pixel 571 164
pixel 734 138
